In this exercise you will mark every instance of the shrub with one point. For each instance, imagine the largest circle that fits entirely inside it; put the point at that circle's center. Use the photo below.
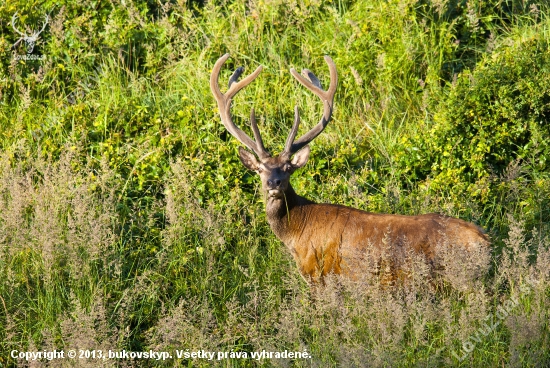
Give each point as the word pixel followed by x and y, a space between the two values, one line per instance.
pixel 492 117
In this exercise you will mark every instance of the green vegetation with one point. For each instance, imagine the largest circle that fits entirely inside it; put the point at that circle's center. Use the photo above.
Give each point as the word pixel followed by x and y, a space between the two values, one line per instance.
pixel 127 221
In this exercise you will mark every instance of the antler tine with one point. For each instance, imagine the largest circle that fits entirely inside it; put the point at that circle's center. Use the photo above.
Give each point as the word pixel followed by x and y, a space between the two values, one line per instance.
pixel 312 83
pixel 13 18
pixel 256 131
pixel 288 144
pixel 44 25
pixel 224 106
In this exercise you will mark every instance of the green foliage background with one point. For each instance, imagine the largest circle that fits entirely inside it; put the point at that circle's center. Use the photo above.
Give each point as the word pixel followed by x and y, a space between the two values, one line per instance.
pixel 442 106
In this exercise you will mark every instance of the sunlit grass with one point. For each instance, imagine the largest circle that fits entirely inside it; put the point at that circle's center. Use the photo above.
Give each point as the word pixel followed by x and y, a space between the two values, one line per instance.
pixel 127 221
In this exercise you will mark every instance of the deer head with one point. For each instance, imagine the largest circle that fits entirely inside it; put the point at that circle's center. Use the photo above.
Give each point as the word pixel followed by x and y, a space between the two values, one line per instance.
pixel 274 171
pixel 30 40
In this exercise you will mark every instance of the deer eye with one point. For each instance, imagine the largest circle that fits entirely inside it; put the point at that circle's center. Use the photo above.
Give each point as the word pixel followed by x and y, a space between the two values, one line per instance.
pixel 260 169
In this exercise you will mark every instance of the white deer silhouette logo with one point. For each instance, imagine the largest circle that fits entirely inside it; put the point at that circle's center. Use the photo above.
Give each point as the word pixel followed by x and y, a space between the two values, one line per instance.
pixel 30 40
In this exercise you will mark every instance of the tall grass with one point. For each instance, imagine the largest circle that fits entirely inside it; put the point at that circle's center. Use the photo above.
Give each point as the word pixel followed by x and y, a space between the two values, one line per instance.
pixel 128 223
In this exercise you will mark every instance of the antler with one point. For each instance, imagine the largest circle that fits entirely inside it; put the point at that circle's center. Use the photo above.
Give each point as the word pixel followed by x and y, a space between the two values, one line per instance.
pixel 13 18
pixel 43 26
pixel 311 82
pixel 224 106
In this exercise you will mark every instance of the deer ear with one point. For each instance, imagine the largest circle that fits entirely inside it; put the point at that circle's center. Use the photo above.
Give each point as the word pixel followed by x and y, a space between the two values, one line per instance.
pixel 248 159
pixel 300 158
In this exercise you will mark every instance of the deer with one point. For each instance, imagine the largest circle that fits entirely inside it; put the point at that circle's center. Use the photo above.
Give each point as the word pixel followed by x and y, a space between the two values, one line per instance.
pixel 329 238
pixel 30 40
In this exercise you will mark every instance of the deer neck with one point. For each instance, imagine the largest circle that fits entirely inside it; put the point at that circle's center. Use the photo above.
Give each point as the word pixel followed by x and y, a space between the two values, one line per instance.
pixel 286 214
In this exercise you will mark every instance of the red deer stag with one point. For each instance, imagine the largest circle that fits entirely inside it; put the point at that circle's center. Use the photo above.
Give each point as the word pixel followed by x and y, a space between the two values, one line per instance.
pixel 328 238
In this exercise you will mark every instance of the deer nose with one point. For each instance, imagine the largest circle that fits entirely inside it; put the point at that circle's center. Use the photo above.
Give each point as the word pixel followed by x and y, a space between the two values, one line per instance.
pixel 275 182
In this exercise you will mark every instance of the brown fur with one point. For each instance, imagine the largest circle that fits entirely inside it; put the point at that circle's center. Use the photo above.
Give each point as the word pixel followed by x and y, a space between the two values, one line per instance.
pixel 326 238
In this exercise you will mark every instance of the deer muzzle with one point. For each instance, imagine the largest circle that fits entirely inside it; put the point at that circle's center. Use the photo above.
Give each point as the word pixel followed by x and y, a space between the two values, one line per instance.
pixel 275 193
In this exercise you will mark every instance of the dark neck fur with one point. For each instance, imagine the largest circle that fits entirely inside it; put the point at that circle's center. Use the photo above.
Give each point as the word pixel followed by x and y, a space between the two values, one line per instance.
pixel 277 210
